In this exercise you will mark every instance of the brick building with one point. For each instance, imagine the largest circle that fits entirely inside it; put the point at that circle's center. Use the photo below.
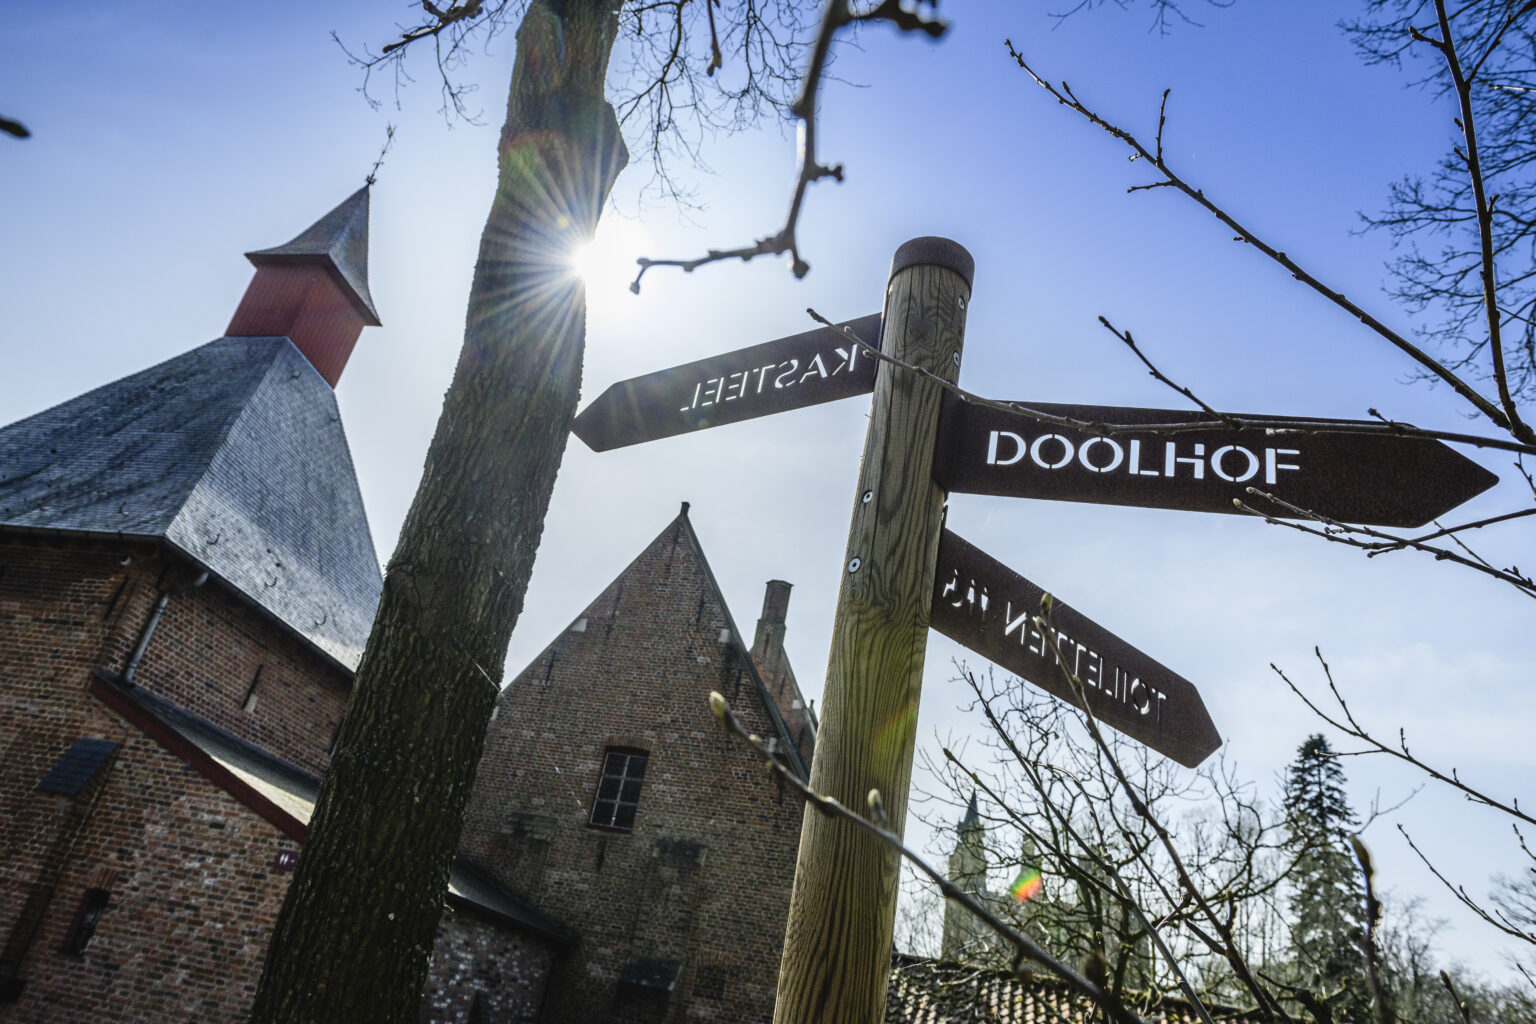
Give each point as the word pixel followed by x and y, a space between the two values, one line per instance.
pixel 187 581
pixel 609 789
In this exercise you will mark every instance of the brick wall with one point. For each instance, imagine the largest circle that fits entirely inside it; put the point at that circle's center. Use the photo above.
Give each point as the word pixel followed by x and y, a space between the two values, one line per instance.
pixel 778 675
pixel 66 609
pixel 703 879
pixel 193 896
pixel 215 656
pixel 61 608
pixel 188 869
pixel 191 874
pixel 484 972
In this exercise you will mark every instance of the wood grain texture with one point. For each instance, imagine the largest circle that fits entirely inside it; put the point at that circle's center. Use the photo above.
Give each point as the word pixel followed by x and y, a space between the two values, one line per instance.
pixel 838 942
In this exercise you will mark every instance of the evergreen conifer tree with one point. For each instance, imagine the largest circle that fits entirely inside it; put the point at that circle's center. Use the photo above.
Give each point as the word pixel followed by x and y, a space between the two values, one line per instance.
pixel 1327 905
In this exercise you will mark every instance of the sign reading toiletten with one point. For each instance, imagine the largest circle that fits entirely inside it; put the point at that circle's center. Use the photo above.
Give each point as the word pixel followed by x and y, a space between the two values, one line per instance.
pixel 981 603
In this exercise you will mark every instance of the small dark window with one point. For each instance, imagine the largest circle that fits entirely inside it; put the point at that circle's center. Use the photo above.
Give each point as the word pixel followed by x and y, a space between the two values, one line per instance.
pixel 75 769
pixel 618 791
pixel 80 935
pixel 249 703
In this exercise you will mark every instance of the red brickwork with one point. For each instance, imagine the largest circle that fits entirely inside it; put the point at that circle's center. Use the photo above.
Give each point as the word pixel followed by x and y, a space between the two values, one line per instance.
pixel 190 873
pixel 773 666
pixel 187 868
pixel 62 610
pixel 67 609
pixel 205 655
pixel 703 880
pixel 193 896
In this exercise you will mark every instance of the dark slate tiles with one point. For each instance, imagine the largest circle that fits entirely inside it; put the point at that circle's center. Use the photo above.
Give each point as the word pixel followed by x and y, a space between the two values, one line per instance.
pixel 235 454
pixel 122 458
pixel 278 513
pixel 338 241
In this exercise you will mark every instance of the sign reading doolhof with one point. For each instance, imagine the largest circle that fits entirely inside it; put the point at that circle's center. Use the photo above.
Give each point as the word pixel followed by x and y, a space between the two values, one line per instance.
pixel 791 373
pixel 981 603
pixel 1376 479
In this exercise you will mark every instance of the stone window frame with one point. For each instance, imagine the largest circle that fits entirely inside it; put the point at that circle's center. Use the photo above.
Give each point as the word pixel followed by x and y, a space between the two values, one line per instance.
pixel 621 775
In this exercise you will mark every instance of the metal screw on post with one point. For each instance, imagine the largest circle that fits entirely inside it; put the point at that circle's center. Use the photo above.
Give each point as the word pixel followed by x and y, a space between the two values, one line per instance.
pixel 837 948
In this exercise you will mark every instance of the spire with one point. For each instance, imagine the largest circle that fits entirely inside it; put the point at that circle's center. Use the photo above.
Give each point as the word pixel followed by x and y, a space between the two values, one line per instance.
pixel 339 242
pixel 314 289
pixel 972 816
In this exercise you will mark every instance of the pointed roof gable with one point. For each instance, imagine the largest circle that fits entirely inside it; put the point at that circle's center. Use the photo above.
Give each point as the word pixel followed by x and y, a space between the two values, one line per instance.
pixel 232 453
pixel 679 539
pixel 339 242
pixel 972 816
pixel 787 744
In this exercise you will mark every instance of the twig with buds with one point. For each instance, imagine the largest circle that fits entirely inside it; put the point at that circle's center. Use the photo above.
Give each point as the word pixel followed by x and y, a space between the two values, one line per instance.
pixel 1024 947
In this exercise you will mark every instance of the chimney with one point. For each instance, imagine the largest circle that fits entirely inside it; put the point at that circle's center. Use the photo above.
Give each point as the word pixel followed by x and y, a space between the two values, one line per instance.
pixel 314 289
pixel 768 644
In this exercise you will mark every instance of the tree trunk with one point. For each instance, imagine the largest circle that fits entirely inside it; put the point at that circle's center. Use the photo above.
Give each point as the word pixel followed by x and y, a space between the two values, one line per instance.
pixel 354 936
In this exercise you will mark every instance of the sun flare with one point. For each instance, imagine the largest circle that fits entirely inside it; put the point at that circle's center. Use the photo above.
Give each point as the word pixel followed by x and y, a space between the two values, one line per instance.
pixel 606 264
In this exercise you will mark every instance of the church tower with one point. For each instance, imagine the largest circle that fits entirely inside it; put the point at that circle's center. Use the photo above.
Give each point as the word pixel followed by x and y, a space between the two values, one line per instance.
pixel 968 870
pixel 187 581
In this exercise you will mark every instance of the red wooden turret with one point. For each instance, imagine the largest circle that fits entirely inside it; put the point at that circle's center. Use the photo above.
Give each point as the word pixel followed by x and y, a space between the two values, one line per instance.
pixel 314 289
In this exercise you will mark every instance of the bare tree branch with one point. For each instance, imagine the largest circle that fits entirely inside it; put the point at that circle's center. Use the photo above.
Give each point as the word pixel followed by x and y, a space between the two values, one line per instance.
pixel 1120 889
pixel 1348 534
pixel 1494 412
pixel 1346 723
pixel 1461 894
pixel 1026 948
pixel 837 15
pixel 1447 48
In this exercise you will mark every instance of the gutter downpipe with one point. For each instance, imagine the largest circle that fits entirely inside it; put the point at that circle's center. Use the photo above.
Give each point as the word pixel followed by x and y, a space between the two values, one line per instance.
pixel 154 620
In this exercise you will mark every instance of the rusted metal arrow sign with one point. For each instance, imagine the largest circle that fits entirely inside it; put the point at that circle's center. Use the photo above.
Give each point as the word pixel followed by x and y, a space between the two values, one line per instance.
pixel 981 603
pixel 776 376
pixel 1377 479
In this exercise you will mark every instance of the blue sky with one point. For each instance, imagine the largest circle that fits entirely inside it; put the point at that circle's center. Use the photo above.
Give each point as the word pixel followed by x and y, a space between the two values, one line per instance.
pixel 171 138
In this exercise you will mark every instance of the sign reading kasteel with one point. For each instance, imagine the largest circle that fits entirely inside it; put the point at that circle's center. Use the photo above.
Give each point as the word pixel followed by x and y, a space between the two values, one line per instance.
pixel 1378 479
pixel 791 373
pixel 986 606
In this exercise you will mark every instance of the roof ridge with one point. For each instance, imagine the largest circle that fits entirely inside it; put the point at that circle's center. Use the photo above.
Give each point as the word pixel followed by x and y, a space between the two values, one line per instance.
pixel 684 526
pixel 791 749
pixel 244 407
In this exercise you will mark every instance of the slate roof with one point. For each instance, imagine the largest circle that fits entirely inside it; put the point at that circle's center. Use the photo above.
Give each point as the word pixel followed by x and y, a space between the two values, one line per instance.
pixel 234 454
pixel 924 991
pixel 339 243
pixel 254 776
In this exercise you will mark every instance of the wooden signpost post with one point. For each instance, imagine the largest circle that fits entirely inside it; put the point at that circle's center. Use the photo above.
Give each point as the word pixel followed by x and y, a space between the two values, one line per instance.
pixel 903 572
pixel 843 908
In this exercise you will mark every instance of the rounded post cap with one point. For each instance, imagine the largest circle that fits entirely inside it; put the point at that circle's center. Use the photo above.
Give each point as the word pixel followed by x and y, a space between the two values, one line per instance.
pixel 931 250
